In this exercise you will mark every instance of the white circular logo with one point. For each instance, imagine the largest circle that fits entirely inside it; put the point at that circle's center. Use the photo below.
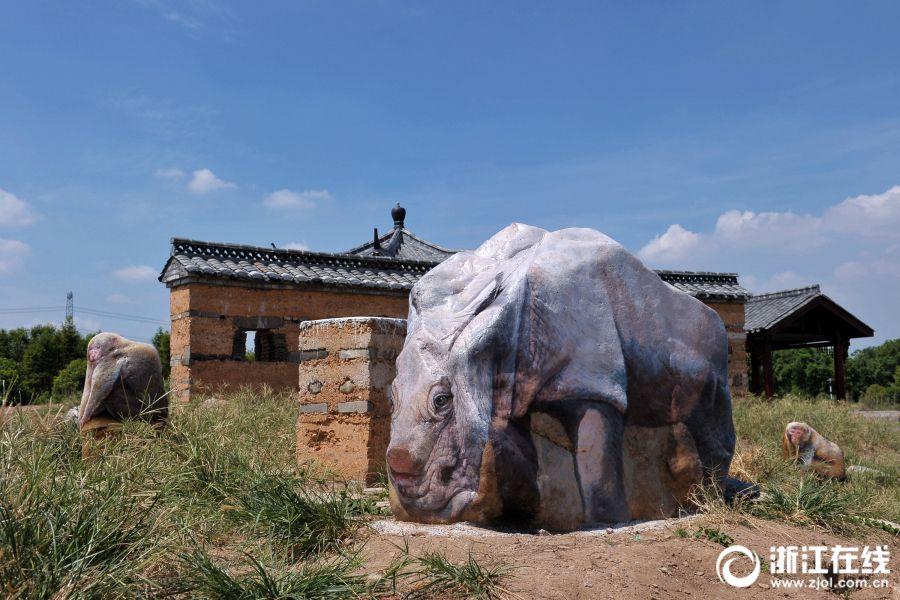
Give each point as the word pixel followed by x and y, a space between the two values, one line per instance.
pixel 723 569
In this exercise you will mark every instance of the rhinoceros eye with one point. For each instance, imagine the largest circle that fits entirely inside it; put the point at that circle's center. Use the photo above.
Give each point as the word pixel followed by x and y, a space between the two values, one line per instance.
pixel 441 402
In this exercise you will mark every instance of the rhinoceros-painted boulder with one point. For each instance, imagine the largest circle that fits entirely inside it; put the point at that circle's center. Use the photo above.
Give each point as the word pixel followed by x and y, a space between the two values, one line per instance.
pixel 550 379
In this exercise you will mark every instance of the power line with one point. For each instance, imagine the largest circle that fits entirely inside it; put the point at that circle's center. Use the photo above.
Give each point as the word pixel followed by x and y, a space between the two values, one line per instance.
pixel 36 309
pixel 114 315
pixel 69 310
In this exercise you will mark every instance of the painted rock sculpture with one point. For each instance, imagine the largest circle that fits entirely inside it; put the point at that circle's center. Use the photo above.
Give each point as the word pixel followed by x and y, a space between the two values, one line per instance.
pixel 811 450
pixel 123 380
pixel 550 379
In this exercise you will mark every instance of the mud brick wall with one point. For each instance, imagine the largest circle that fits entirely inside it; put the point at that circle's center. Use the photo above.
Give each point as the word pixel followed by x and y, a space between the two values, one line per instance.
pixel 346 369
pixel 732 314
pixel 209 322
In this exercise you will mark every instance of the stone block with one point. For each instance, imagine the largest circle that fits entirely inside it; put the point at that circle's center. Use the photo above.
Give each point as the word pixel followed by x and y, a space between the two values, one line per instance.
pixel 352 353
pixel 357 406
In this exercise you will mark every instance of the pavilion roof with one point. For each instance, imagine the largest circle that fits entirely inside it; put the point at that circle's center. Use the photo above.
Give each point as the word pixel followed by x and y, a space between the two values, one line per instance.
pixel 773 311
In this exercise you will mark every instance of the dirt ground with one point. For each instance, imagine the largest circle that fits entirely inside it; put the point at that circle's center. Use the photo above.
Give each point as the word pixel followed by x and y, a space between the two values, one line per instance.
pixel 639 562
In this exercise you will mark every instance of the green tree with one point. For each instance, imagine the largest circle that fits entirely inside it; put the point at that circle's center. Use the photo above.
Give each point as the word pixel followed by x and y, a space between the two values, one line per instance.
pixel 161 340
pixel 11 389
pixel 13 343
pixel 70 380
pixel 871 366
pixel 41 362
pixel 803 371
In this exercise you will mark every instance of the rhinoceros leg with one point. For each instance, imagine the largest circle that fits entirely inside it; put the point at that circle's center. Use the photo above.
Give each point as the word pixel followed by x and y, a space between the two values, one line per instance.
pixel 560 507
pixel 578 447
pixel 516 471
pixel 598 460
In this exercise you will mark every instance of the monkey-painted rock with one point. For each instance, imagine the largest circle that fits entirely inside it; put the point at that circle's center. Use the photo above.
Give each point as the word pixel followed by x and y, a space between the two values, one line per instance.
pixel 811 450
pixel 550 379
pixel 123 380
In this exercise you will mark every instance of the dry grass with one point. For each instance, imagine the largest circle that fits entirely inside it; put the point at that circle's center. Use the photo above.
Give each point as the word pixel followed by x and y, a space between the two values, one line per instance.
pixel 214 506
pixel 808 500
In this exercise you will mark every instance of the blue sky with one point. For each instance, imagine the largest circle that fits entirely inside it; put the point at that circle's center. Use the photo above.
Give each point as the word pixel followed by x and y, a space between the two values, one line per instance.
pixel 761 138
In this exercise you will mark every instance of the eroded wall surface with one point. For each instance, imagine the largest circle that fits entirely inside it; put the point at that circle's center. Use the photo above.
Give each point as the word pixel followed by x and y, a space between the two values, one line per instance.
pixel 346 369
pixel 732 314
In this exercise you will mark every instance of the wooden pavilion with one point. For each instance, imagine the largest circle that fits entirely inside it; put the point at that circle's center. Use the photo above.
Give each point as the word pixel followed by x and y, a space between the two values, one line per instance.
pixel 798 318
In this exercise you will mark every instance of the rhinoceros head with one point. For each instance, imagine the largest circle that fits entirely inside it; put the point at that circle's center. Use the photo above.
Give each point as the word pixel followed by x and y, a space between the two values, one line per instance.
pixel 451 384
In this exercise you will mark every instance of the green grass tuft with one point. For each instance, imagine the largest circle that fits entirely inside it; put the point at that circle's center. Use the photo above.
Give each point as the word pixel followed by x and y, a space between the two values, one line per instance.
pixel 433 575
pixel 204 579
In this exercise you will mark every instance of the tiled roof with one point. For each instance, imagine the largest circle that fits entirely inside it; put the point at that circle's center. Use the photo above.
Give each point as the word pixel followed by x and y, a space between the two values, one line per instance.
pixel 192 259
pixel 403 244
pixel 705 285
pixel 762 311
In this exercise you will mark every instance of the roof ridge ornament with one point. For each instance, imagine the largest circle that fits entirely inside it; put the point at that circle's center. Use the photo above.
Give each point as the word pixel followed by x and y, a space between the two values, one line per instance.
pixel 398 213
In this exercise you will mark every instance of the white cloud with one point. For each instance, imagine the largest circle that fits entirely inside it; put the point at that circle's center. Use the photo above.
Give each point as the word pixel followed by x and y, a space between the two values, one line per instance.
pixel 205 181
pixel 676 243
pixel 301 201
pixel 748 228
pixel 876 216
pixel 852 249
pixel 14 211
pixel 862 219
pixel 296 246
pixel 118 299
pixel 136 273
pixel 172 174
pixel 12 255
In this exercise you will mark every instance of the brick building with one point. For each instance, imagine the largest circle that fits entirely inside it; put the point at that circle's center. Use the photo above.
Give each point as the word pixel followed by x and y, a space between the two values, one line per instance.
pixel 220 293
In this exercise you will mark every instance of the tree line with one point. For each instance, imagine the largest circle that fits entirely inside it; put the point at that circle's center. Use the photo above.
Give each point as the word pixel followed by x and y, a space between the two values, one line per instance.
pixel 48 362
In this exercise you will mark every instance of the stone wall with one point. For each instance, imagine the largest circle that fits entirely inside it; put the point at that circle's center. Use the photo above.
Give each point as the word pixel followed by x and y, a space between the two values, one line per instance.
pixel 732 314
pixel 346 368
pixel 208 322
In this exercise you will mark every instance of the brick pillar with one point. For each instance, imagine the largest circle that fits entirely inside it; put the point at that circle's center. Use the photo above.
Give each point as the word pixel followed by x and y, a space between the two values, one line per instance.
pixel 346 368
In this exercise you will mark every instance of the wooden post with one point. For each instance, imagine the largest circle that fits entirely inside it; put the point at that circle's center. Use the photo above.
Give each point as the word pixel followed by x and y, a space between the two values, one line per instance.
pixel 768 371
pixel 755 365
pixel 840 349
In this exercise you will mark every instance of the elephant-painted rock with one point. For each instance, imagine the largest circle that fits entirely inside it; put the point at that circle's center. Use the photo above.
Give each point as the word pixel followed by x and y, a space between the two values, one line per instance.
pixel 550 379
pixel 123 380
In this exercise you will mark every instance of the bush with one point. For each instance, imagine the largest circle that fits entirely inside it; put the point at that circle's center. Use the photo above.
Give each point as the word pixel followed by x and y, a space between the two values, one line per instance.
pixel 70 380
pixel 161 340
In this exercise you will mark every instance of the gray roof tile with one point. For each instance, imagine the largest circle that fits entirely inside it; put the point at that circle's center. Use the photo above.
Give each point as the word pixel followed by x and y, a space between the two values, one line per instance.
pixel 765 310
pixel 404 244
pixel 706 285
pixel 193 258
